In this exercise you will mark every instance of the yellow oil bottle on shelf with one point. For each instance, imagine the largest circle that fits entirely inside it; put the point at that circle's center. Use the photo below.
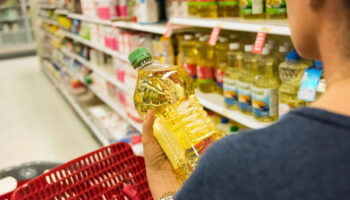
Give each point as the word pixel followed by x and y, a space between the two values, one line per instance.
pixel 182 127
pixel 245 80
pixel 276 9
pixel 252 9
pixel 221 61
pixel 235 64
pixel 192 7
pixel 265 89
pixel 189 55
pixel 228 8
pixel 205 66
pixel 291 73
pixel 207 8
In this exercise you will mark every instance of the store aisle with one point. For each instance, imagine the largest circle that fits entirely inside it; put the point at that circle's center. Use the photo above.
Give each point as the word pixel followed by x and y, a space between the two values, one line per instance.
pixel 36 123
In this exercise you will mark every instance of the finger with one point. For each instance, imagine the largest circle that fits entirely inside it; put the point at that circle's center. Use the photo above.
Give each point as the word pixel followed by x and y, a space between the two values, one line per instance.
pixel 148 126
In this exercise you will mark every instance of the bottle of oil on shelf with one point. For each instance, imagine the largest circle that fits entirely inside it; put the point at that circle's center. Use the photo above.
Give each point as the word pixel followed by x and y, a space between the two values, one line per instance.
pixel 221 61
pixel 189 55
pixel 182 127
pixel 252 9
pixel 265 89
pixel 235 64
pixel 245 80
pixel 192 7
pixel 207 8
pixel 276 9
pixel 228 8
pixel 205 66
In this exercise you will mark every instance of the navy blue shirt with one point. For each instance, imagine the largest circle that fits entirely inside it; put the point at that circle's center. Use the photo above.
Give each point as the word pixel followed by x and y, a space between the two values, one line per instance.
pixel 306 155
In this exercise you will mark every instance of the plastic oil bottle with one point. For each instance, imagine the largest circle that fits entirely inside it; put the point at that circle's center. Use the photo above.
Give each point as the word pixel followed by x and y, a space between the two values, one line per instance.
pixel 192 7
pixel 245 80
pixel 189 55
pixel 221 61
pixel 252 9
pixel 207 8
pixel 228 8
pixel 291 73
pixel 276 9
pixel 235 64
pixel 265 89
pixel 182 127
pixel 205 66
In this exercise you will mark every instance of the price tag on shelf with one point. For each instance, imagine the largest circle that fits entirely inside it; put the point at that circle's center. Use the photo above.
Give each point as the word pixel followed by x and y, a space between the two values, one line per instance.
pixel 259 43
pixel 168 30
pixel 266 29
pixel 214 36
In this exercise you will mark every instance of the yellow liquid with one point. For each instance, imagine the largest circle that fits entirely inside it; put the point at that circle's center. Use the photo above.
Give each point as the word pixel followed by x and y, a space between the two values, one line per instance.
pixel 189 56
pixel 291 73
pixel 228 8
pixel 265 81
pixel 245 81
pixel 207 9
pixel 192 8
pixel 235 65
pixel 182 127
pixel 205 59
pixel 252 9
pixel 221 62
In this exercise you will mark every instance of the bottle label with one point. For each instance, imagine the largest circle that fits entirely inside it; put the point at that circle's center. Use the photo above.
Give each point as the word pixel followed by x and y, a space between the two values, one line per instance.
pixel 219 76
pixel 191 69
pixel 274 7
pixel 258 7
pixel 228 3
pixel 246 7
pixel 205 74
pixel 309 83
pixel 230 91
pixel 244 96
pixel 265 102
pixel 205 2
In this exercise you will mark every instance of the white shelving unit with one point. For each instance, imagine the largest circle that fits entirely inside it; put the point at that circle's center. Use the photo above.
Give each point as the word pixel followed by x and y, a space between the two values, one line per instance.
pixel 61 12
pixel 215 102
pixel 49 21
pixel 47 6
pixel 96 46
pixel 277 27
pixel 151 28
pixel 77 109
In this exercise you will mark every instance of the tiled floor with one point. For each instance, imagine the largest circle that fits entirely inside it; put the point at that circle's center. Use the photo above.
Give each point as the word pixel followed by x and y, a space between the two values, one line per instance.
pixel 36 123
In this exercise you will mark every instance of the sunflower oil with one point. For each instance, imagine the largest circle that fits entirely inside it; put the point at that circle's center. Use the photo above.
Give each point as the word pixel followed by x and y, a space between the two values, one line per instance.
pixel 245 80
pixel 221 62
pixel 276 9
pixel 205 66
pixel 189 54
pixel 265 89
pixel 228 8
pixel 207 8
pixel 291 73
pixel 192 7
pixel 252 9
pixel 235 64
pixel 182 127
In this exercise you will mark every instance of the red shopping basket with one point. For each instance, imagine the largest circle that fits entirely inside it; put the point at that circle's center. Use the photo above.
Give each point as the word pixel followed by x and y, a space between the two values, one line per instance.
pixel 112 172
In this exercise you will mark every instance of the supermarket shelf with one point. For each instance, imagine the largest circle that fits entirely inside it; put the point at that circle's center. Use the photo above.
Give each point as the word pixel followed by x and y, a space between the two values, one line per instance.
pixel 12 20
pixel 117 108
pixel 78 109
pixel 96 46
pixel 277 27
pixel 14 49
pixel 215 102
pixel 90 19
pixel 61 12
pixel 151 28
pixel 9 7
pixel 47 6
pixel 49 21
pixel 96 69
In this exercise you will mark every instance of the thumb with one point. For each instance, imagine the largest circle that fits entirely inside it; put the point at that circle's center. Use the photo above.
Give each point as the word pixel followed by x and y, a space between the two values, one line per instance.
pixel 148 126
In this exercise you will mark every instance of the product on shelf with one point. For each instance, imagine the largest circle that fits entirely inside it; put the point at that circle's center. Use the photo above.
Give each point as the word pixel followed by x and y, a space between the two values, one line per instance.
pixel 207 8
pixel 147 11
pixel 291 73
pixel 168 91
pixel 228 8
pixel 276 9
pixel 205 66
pixel 235 65
pixel 221 61
pixel 265 89
pixel 224 125
pixel 188 51
pixel 252 9
pixel 245 80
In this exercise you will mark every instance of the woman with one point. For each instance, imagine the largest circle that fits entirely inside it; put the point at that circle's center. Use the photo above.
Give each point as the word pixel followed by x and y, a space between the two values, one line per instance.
pixel 303 156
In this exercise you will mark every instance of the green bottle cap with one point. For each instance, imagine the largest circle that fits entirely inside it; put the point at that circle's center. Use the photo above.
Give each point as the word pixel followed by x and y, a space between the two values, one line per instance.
pixel 88 80
pixel 138 55
pixel 234 128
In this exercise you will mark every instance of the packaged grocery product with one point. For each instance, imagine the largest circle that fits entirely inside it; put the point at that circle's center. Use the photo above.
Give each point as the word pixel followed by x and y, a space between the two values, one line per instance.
pixel 189 55
pixel 291 73
pixel 245 80
pixel 224 125
pixel 205 66
pixel 182 127
pixel 207 8
pixel 228 8
pixel 252 9
pixel 147 11
pixel 221 61
pixel 192 7
pixel 235 64
pixel 265 89
pixel 276 9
